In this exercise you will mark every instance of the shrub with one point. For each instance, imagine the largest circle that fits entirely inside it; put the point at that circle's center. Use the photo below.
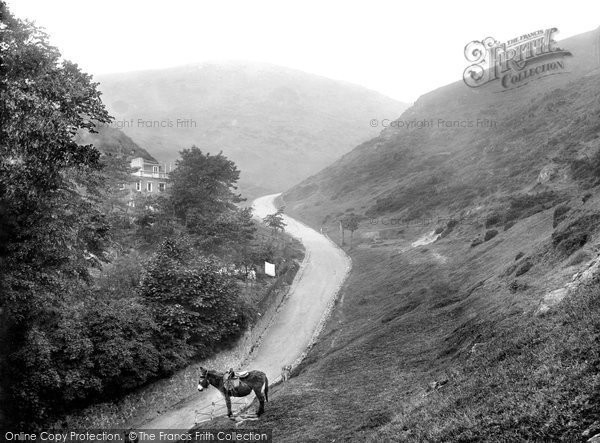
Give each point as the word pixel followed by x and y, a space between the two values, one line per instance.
pixel 121 277
pixel 576 234
pixel 586 171
pixel 451 223
pixel 560 214
pixel 476 242
pixel 519 255
pixel 449 227
pixel 578 258
pixel 493 220
pixel 516 286
pixel 509 225
pixel 490 234
pixel 523 206
pixel 573 242
pixel 84 351
pixel 122 334
pixel 523 268
pixel 191 302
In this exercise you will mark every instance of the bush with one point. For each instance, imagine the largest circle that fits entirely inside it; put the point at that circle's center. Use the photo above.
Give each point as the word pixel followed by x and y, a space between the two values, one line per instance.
pixel 509 225
pixel 560 214
pixel 586 171
pixel 451 223
pixel 523 268
pixel 578 258
pixel 121 277
pixel 94 344
pixel 573 242
pixel 520 207
pixel 519 255
pixel 493 220
pixel 191 302
pixel 523 206
pixel 476 242
pixel 490 234
pixel 576 234
pixel 449 228
pixel 516 286
pixel 84 351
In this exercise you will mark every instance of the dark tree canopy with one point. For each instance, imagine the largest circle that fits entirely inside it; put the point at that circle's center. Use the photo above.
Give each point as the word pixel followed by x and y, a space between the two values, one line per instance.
pixel 203 198
pixel 70 336
pixel 51 222
pixel 203 185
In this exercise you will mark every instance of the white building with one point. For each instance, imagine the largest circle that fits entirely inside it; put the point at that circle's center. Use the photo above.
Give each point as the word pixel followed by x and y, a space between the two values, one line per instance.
pixel 152 176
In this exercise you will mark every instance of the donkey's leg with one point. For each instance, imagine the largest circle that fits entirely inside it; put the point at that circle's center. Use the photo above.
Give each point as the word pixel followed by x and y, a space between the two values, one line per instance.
pixel 228 403
pixel 261 401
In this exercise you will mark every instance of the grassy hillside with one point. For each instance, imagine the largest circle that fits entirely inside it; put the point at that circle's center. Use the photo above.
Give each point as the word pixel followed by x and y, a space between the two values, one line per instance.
pixel 490 332
pixel 279 125
pixel 441 166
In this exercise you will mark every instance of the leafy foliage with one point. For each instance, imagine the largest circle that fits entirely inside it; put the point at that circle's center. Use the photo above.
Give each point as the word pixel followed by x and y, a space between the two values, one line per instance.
pixel 48 183
pixel 275 221
pixel 88 349
pixel 191 301
pixel 490 234
pixel 76 329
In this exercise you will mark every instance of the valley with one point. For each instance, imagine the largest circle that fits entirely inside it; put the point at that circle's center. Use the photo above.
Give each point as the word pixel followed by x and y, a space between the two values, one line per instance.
pixel 278 124
pixel 226 199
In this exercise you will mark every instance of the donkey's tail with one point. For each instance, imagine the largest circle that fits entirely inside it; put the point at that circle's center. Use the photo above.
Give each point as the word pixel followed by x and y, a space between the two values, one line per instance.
pixel 266 389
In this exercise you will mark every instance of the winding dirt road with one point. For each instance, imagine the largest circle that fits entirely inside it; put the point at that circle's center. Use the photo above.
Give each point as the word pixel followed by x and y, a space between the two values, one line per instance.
pixel 294 327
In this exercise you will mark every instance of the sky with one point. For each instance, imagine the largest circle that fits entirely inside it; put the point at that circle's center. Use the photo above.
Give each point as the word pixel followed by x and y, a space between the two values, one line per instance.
pixel 401 49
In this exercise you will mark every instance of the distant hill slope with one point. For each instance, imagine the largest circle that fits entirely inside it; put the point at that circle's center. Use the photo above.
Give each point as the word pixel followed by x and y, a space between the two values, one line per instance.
pixel 279 125
pixel 444 167
pixel 113 141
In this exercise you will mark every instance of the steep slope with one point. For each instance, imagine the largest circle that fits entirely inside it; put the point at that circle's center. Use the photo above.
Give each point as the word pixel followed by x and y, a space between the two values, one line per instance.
pixel 279 125
pixel 112 141
pixel 472 311
pixel 459 145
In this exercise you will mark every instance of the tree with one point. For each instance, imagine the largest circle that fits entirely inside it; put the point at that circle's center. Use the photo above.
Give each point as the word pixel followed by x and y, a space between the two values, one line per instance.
pixel 202 198
pixel 52 227
pixel 202 186
pixel 350 223
pixel 275 220
pixel 192 302
pixel 48 182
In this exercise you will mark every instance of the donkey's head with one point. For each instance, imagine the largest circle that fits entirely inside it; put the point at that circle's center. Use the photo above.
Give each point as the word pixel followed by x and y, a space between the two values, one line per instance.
pixel 203 382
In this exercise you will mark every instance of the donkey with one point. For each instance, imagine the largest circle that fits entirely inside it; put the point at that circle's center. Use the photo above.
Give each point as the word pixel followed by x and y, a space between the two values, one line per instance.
pixel 254 381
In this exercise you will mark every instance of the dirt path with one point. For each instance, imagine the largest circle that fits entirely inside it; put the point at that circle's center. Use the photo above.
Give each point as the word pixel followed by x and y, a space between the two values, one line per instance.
pixel 294 327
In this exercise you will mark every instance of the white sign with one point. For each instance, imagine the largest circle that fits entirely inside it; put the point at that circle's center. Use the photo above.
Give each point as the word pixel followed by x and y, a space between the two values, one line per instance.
pixel 270 269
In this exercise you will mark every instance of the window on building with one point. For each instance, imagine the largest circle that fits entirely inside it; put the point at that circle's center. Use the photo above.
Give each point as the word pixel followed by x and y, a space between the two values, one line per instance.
pixel 149 186
pixel 155 169
pixel 138 186
pixel 162 187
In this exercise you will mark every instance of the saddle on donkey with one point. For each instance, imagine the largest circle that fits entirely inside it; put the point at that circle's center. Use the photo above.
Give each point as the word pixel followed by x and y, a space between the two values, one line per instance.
pixel 231 379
